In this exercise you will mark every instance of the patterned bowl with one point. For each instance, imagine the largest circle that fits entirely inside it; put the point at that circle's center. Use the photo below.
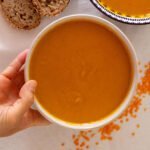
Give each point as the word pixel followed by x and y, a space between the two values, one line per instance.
pixel 119 17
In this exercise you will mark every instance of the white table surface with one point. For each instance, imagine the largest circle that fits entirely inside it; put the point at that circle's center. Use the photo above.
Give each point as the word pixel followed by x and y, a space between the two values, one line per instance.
pixel 13 41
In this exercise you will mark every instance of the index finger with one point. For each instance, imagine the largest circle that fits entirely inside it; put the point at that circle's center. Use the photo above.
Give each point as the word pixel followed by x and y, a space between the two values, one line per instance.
pixel 11 71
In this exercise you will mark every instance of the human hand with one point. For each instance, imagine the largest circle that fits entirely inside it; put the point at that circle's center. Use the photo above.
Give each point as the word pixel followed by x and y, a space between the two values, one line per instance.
pixel 16 98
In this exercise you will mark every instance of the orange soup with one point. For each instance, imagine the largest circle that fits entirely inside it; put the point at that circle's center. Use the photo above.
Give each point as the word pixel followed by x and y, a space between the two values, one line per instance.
pixel 128 7
pixel 83 71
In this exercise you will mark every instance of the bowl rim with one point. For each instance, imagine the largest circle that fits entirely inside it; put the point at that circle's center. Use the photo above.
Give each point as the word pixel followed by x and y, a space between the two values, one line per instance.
pixel 127 99
pixel 120 18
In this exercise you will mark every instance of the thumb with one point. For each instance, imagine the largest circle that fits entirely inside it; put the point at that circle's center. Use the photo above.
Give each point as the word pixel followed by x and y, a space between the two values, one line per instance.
pixel 26 94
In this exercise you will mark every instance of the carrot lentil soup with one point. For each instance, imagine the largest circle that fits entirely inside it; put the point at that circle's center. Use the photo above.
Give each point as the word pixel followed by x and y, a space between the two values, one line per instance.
pixel 128 7
pixel 83 71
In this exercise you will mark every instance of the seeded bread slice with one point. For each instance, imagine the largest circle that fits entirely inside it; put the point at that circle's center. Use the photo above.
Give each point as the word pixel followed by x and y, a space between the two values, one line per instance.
pixel 20 13
pixel 50 7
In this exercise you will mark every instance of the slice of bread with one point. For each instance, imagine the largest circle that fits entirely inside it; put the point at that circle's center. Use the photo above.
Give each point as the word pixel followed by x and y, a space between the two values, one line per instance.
pixel 50 7
pixel 20 13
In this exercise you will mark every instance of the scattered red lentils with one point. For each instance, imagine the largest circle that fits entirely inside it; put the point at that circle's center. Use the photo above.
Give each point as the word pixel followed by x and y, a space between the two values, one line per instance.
pixel 145 109
pixel 127 119
pixel 87 146
pixel 86 137
pixel 133 133
pixel 139 63
pixel 76 142
pixel 146 66
pixel 121 121
pixel 92 135
pixel 144 86
pixel 73 136
pixel 89 131
pixel 82 144
pixel 105 132
pixel 140 71
pixel 138 125
pixel 82 138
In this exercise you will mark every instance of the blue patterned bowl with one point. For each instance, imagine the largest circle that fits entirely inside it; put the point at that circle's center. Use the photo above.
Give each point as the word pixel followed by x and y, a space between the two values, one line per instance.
pixel 121 18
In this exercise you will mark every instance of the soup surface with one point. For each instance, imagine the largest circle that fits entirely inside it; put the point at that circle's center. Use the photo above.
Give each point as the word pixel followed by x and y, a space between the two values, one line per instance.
pixel 128 7
pixel 83 71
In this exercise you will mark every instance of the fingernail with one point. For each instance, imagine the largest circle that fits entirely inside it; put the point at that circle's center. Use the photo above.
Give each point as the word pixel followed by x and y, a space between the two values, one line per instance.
pixel 32 86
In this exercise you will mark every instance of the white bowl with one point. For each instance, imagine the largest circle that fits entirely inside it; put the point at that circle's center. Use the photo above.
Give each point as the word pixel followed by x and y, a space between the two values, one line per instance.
pixel 127 99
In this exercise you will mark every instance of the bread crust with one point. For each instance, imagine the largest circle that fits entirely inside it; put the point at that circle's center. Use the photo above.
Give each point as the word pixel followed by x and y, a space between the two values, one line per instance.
pixel 20 13
pixel 50 7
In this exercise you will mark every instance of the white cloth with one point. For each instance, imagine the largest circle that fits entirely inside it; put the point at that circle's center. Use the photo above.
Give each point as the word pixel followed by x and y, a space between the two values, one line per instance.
pixel 13 41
